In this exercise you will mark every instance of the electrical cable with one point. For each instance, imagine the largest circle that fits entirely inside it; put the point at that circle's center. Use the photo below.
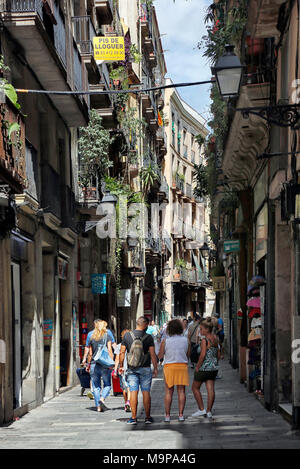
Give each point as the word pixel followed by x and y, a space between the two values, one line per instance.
pixel 132 90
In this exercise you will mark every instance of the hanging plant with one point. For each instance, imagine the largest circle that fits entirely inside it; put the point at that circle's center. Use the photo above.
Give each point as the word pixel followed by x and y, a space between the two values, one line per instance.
pixel 93 147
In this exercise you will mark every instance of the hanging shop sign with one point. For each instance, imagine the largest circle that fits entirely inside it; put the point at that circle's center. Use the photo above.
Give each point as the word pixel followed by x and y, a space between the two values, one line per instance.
pixel 219 283
pixel 231 246
pixel 48 328
pixel 99 284
pixel 62 267
pixel 124 298
pixel 109 48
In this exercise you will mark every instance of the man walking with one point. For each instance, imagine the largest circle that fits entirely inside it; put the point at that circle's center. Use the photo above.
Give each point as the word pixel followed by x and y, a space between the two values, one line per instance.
pixel 140 354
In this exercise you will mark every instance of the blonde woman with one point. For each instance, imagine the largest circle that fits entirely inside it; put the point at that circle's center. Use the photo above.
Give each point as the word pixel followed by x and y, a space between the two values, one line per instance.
pixel 100 337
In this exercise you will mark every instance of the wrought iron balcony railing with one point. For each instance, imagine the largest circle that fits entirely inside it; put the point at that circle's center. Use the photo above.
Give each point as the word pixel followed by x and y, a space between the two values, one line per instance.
pixel 84 32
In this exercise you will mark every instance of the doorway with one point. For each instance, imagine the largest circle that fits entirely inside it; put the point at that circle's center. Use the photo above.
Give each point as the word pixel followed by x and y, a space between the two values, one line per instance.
pixel 17 334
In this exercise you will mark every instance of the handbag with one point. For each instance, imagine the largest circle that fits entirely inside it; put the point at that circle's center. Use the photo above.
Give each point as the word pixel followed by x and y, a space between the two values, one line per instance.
pixel 102 356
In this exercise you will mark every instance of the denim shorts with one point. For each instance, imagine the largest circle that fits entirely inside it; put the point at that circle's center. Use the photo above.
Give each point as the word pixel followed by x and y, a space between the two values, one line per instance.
pixel 123 382
pixel 139 377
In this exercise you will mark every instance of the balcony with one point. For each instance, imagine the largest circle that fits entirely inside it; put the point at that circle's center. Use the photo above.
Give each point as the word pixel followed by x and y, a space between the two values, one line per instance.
pixel 153 248
pixel 88 195
pixel 177 228
pixel 145 21
pixel 45 48
pixel 178 184
pixel 263 18
pixel 99 101
pixel 68 208
pixel 188 191
pixel 104 10
pixel 185 275
pixel 84 31
pixel 12 157
pixel 51 197
pixel 164 189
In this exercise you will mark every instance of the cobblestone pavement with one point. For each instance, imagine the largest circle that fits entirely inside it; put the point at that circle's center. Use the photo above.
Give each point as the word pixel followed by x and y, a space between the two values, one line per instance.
pixel 70 421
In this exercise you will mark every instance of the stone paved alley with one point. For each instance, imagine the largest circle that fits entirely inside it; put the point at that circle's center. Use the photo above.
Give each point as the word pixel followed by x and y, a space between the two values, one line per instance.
pixel 70 421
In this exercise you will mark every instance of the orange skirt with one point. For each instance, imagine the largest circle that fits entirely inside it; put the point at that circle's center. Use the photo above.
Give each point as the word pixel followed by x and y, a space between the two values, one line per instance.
pixel 176 374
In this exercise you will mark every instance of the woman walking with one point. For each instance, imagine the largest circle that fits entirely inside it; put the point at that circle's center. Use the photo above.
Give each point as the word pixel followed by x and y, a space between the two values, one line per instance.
pixel 98 339
pixel 206 369
pixel 175 350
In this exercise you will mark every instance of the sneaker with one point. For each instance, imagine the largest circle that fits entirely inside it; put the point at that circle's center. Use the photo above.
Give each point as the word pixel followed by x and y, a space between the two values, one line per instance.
pixel 199 413
pixel 132 421
pixel 209 415
pixel 90 395
pixel 181 418
pixel 127 407
pixel 167 419
pixel 148 420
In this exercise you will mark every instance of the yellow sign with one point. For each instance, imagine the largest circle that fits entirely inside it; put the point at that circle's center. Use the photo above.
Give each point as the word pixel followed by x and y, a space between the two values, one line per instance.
pixel 109 48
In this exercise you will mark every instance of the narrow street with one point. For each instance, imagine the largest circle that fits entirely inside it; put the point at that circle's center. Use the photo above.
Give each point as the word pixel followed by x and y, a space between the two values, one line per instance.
pixel 69 421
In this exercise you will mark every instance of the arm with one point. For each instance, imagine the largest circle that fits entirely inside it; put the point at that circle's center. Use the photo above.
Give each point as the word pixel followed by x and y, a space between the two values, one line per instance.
pixel 202 354
pixel 162 350
pixel 154 360
pixel 109 348
pixel 189 350
pixel 122 358
pixel 117 361
pixel 86 352
pixel 89 358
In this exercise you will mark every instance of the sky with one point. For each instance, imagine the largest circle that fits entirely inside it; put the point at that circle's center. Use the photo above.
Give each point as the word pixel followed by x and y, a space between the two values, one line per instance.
pixel 181 26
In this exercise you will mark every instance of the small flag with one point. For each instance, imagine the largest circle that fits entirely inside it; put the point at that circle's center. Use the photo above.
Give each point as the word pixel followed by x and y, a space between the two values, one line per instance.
pixel 159 120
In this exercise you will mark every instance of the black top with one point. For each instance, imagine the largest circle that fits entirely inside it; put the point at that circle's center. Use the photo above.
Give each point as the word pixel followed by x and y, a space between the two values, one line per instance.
pixel 147 343
pixel 94 344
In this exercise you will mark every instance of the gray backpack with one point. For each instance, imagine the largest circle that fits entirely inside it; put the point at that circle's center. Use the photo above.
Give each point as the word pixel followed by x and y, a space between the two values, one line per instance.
pixel 136 356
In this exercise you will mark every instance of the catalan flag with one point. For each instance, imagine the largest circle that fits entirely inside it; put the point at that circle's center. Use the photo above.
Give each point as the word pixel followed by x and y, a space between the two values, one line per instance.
pixel 159 120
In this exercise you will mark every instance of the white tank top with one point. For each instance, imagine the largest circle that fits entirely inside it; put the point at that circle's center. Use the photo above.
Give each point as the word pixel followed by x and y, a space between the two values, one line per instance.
pixel 176 348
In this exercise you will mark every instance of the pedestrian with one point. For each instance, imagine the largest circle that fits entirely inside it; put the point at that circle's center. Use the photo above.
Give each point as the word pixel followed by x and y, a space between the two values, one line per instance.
pixel 140 354
pixel 175 350
pixel 206 368
pixel 99 338
pixel 185 327
pixel 193 332
pixel 123 378
pixel 90 394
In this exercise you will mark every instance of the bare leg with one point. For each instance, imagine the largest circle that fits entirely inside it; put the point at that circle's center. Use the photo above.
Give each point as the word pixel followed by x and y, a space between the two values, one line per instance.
pixel 168 399
pixel 197 394
pixel 134 403
pixel 210 386
pixel 147 403
pixel 181 399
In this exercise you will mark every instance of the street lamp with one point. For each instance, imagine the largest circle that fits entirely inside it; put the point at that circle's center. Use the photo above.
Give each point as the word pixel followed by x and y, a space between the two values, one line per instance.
pixel 228 72
pixel 205 250
pixel 167 270
pixel 108 202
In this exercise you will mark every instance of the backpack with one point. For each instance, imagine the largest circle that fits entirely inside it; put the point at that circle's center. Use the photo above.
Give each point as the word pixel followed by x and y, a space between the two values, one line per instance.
pixel 136 356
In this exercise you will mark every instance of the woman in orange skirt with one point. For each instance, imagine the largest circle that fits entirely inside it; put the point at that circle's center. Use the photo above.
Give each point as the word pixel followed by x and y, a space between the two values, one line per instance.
pixel 175 350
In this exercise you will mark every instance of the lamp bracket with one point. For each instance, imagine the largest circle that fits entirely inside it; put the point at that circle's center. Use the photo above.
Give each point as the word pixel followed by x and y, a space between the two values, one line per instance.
pixel 283 115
